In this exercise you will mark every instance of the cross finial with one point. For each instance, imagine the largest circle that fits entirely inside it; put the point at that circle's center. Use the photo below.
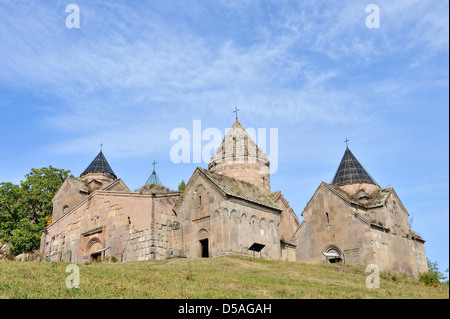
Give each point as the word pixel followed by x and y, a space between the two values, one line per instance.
pixel 154 164
pixel 235 111
pixel 101 146
pixel 346 141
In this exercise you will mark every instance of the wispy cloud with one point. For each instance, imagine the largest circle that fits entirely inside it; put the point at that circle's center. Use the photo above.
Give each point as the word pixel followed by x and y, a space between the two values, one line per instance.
pixel 129 69
pixel 107 74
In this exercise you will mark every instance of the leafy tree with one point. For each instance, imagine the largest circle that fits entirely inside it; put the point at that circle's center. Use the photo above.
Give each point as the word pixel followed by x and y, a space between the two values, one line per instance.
pixel 26 237
pixel 26 209
pixel 38 190
pixel 10 209
pixel 182 186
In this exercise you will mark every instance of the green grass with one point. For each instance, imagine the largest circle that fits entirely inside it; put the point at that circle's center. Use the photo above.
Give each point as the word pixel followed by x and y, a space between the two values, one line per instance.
pixel 223 277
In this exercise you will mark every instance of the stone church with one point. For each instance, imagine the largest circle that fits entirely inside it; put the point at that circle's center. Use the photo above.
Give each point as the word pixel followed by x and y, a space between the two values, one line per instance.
pixel 355 221
pixel 230 208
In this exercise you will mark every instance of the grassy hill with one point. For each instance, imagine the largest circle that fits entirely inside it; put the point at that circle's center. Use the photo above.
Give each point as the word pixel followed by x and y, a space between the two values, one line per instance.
pixel 224 277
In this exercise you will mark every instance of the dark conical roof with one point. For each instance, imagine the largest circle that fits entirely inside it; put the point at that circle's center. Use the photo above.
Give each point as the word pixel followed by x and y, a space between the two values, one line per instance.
pixel 350 171
pixel 99 165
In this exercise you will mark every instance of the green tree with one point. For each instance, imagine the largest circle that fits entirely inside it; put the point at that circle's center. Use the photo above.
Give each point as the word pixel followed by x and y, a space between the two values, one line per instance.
pixel 10 209
pixel 26 209
pixel 182 185
pixel 38 190
pixel 26 236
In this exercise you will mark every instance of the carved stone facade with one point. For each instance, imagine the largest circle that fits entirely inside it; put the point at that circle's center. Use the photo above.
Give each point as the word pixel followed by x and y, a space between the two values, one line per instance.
pixel 210 215
pixel 124 224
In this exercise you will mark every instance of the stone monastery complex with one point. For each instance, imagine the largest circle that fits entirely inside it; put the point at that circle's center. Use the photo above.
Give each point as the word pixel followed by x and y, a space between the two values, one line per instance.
pixel 230 208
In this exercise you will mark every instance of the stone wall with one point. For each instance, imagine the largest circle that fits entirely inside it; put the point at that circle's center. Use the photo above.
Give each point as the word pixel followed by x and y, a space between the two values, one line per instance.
pixel 230 225
pixel 328 222
pixel 123 223
pixel 287 252
pixel 67 197
pixel 256 173
pixel 378 235
pixel 289 222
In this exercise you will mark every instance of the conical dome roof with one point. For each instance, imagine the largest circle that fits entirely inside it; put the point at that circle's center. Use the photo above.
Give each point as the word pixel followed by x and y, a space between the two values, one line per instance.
pixel 99 165
pixel 153 179
pixel 350 171
pixel 237 143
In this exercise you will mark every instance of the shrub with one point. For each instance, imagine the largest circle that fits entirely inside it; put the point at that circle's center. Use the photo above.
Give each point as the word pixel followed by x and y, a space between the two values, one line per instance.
pixel 433 277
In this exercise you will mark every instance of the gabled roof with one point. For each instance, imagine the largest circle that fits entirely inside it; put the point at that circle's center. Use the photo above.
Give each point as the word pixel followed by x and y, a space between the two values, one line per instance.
pixel 239 189
pixel 350 171
pixel 379 199
pixel 277 196
pixel 99 165
pixel 78 185
pixel 117 182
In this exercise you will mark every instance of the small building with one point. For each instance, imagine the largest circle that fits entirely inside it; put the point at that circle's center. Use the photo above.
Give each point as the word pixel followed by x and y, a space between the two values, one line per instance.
pixel 354 221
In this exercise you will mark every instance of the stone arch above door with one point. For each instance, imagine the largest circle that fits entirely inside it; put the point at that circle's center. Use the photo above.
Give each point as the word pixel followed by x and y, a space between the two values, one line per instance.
pixel 332 253
pixel 93 245
pixel 202 234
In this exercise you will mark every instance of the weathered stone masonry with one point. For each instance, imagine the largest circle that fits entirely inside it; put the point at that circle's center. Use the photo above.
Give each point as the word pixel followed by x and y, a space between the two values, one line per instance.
pixel 227 208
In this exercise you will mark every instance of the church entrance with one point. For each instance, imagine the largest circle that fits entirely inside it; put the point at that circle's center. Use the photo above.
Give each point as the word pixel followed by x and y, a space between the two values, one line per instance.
pixel 332 254
pixel 96 257
pixel 204 248
pixel 203 240
pixel 334 260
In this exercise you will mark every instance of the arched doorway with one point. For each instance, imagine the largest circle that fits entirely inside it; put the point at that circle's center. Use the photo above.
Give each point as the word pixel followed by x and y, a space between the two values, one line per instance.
pixel 203 239
pixel 332 254
pixel 92 247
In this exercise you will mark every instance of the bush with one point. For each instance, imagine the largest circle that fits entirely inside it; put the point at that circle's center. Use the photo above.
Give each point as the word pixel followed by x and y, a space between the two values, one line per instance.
pixel 433 277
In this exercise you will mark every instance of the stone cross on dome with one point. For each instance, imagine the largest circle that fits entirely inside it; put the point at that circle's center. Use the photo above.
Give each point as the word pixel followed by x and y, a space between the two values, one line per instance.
pixel 346 141
pixel 235 111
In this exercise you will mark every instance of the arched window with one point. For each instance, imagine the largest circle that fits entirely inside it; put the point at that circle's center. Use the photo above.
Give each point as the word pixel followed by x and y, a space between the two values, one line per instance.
pixel 65 209
pixel 328 217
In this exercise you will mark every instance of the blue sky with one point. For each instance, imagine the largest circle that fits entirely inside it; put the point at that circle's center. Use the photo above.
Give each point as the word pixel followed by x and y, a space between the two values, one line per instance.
pixel 136 70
